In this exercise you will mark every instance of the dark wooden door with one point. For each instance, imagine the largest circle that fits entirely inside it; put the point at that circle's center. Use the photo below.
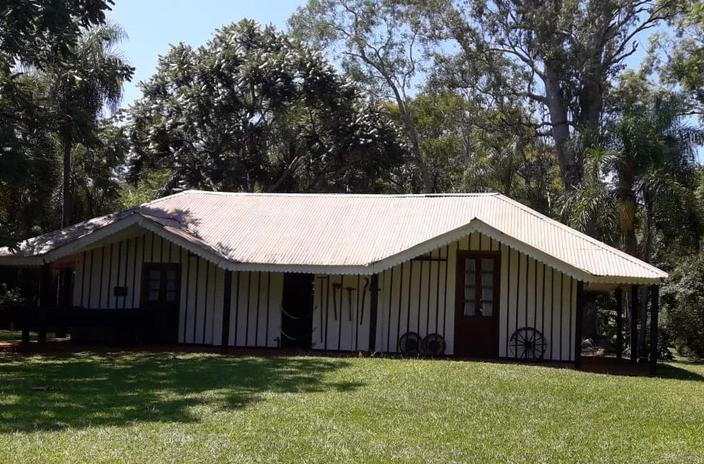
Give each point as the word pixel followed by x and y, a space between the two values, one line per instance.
pixel 161 288
pixel 297 311
pixel 477 304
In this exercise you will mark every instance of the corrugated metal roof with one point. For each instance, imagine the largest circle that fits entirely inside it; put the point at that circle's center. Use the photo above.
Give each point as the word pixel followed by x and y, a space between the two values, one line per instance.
pixel 357 233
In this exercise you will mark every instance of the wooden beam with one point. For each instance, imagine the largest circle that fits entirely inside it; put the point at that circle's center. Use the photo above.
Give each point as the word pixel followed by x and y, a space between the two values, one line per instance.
pixel 634 324
pixel 619 322
pixel 578 325
pixel 373 309
pixel 47 299
pixel 66 291
pixel 654 309
pixel 226 303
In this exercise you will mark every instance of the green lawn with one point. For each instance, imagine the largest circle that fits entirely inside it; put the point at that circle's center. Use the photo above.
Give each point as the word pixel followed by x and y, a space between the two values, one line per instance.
pixel 10 335
pixel 16 335
pixel 181 407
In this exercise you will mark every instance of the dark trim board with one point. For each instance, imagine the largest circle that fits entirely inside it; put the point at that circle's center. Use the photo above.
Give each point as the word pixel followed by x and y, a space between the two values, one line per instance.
pixel 227 302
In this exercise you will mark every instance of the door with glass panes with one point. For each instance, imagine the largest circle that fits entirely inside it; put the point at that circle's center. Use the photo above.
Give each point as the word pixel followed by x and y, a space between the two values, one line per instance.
pixel 160 300
pixel 477 304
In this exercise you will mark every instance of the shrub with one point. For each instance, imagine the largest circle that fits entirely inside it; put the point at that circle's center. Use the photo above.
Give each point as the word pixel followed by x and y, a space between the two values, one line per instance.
pixel 9 296
pixel 683 300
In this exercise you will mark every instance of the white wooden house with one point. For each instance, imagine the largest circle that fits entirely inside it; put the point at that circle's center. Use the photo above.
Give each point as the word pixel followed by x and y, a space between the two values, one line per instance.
pixel 481 274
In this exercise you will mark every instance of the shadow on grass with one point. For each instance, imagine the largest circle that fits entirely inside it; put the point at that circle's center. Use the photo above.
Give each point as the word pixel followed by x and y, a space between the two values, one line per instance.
pixel 623 367
pixel 81 390
pixel 674 371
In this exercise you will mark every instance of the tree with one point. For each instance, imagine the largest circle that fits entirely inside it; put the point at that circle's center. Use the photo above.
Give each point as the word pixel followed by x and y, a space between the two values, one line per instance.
pixel 78 90
pixel 653 169
pixel 32 35
pixel 27 164
pixel 683 302
pixel 98 170
pixel 37 33
pixel 557 56
pixel 253 110
pixel 591 206
pixel 639 189
pixel 476 149
pixel 379 50
pixel 684 57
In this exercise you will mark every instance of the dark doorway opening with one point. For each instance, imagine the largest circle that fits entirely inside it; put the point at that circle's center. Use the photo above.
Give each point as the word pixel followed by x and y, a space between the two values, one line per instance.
pixel 297 311
pixel 161 287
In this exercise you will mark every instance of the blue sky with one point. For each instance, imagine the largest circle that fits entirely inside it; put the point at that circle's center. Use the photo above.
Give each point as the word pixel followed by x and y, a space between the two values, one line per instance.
pixel 153 25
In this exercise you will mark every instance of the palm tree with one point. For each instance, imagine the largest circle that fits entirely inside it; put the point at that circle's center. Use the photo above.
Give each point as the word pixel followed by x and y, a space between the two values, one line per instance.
pixel 591 205
pixel 639 185
pixel 79 89
pixel 653 171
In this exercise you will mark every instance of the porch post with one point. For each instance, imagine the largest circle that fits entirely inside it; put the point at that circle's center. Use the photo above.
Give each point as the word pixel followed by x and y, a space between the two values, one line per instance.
pixel 373 309
pixel 619 323
pixel 654 309
pixel 45 301
pixel 65 292
pixel 578 325
pixel 226 302
pixel 634 324
pixel 25 329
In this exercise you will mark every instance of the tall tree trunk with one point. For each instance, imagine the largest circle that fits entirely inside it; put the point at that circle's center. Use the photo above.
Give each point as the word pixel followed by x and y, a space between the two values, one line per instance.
pixel 66 211
pixel 627 210
pixel 66 198
pixel 627 219
pixel 570 170
pixel 591 102
pixel 415 148
pixel 411 132
pixel 645 294
pixel 627 222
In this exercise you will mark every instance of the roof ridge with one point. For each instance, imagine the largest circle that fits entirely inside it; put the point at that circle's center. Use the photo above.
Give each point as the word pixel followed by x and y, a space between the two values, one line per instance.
pixel 602 245
pixel 160 199
pixel 347 195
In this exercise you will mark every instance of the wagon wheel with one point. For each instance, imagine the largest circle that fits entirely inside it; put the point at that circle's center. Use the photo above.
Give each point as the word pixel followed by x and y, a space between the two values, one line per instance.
pixel 409 343
pixel 433 345
pixel 527 343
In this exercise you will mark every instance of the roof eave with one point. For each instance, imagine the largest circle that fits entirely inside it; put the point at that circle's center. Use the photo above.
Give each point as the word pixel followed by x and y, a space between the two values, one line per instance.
pixel 21 261
pixel 475 225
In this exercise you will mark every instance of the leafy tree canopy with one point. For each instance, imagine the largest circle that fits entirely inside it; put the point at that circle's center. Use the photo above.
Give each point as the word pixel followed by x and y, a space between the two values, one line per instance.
pixel 683 57
pixel 38 32
pixel 253 110
pixel 556 56
pixel 34 35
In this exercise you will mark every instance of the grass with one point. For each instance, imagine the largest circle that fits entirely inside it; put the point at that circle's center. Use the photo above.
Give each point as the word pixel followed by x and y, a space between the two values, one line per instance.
pixel 10 335
pixel 206 407
pixel 16 335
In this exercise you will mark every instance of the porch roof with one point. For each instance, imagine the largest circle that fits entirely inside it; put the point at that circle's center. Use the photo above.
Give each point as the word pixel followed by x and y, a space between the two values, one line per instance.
pixel 342 233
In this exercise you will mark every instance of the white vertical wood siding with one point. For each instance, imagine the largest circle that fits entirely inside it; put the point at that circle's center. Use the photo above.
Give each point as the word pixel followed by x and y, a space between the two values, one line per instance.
pixel 544 299
pixel 200 311
pixel 255 309
pixel 419 296
pixel 413 297
pixel 119 263
pixel 341 309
